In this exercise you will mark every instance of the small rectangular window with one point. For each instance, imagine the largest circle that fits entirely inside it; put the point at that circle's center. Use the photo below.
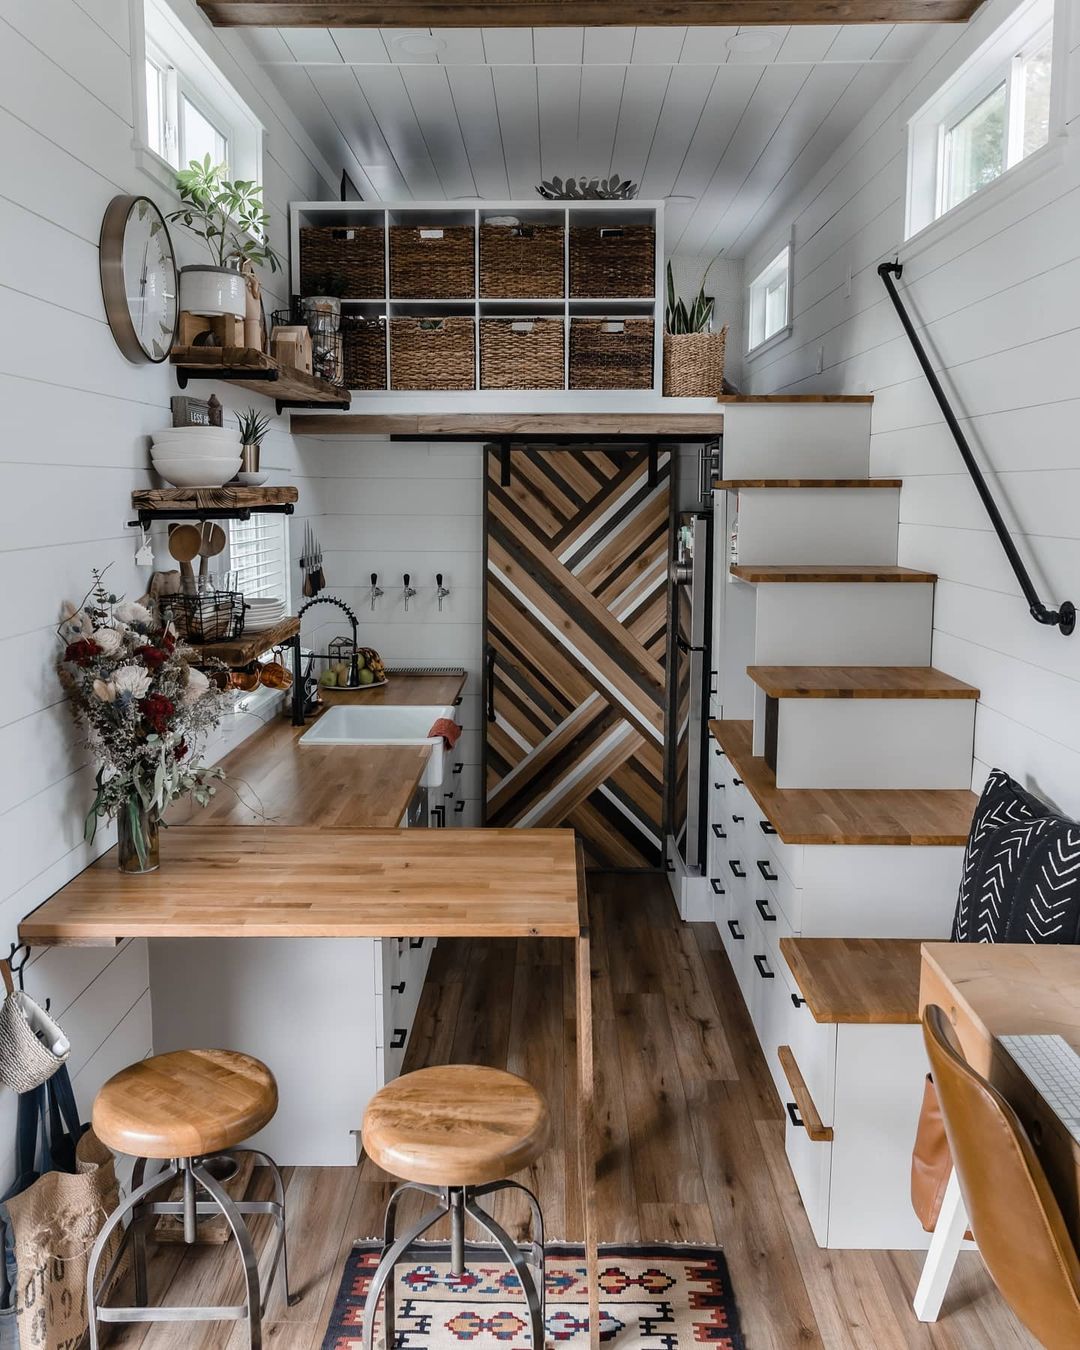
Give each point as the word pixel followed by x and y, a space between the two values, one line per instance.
pixel 992 114
pixel 770 300
pixel 259 557
pixel 191 109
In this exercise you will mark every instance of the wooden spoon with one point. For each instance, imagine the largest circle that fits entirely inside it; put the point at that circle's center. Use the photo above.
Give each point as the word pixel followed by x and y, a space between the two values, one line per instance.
pixel 211 543
pixel 184 544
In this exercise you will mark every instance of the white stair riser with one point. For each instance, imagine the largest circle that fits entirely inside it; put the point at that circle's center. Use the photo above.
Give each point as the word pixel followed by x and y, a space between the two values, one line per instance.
pixel 843 624
pixel 818 525
pixel 796 440
pixel 874 743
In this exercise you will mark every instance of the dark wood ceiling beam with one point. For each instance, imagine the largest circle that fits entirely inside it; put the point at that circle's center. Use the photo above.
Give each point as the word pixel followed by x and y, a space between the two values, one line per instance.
pixel 592 13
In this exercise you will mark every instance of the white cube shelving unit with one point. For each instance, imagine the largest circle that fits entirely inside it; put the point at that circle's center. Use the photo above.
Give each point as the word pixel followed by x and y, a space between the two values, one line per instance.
pixel 477 307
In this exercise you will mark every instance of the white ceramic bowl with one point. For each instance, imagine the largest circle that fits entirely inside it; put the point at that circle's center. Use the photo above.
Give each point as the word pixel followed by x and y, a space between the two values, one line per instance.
pixel 218 442
pixel 197 471
pixel 200 433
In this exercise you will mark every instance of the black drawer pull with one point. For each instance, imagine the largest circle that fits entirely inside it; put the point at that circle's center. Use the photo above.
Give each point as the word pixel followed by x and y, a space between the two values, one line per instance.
pixel 738 819
pixel 416 943
pixel 794 1117
pixel 733 925
pixel 669 865
pixel 717 888
pixel 718 786
pixel 397 1041
pixel 451 795
pixel 398 988
pixel 763 970
pixel 763 868
pixel 459 808
pixel 718 830
pixel 438 815
pixel 797 1000
pixel 718 752
pixel 457 768
pixel 736 867
pixel 766 828
pixel 737 782
pixel 766 913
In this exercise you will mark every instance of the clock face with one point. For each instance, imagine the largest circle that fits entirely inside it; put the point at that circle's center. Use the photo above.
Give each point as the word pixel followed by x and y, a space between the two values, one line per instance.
pixel 138 278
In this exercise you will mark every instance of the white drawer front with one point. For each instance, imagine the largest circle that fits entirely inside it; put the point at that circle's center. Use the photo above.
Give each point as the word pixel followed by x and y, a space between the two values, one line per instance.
pixel 811 1166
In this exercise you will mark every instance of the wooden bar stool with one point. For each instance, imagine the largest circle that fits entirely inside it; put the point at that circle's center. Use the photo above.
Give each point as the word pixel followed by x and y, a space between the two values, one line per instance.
pixel 457 1132
pixel 189 1109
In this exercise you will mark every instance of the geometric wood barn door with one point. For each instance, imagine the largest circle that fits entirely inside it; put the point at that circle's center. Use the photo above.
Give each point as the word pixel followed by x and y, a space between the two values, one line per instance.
pixel 576 596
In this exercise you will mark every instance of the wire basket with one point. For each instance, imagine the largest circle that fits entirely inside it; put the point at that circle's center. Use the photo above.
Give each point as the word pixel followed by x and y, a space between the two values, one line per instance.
pixel 327 353
pixel 212 616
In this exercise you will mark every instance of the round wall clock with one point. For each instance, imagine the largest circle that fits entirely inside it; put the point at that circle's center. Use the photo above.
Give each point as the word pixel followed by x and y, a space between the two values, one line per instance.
pixel 138 278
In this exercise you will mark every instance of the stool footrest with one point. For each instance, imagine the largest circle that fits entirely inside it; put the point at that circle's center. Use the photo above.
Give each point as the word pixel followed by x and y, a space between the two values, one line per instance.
pixel 167 1313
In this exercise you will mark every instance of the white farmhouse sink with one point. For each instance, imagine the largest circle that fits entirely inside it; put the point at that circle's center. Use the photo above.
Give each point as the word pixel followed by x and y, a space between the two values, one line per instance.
pixel 354 724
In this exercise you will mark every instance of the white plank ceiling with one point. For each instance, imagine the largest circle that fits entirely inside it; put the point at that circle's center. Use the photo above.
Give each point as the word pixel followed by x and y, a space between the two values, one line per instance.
pixel 719 121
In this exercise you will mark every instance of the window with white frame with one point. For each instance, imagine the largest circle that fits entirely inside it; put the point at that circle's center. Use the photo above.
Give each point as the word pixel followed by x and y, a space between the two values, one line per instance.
pixel 992 114
pixel 259 557
pixel 770 300
pixel 191 110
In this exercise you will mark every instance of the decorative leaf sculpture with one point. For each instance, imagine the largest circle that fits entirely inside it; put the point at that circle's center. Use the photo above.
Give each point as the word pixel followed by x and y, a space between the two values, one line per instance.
pixel 583 189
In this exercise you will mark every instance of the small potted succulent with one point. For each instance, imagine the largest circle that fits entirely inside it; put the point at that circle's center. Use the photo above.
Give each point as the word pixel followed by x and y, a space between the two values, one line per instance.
pixel 693 351
pixel 229 216
pixel 253 427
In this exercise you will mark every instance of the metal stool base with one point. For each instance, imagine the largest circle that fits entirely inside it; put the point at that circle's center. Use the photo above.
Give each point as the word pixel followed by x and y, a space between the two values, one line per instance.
pixel 456 1202
pixel 142 1212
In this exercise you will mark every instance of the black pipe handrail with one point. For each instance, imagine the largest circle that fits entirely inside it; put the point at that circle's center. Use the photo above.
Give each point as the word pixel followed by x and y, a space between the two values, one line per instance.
pixel 1063 618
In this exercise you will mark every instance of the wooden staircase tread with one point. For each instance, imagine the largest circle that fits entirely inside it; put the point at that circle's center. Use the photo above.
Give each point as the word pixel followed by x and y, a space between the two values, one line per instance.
pixel 857 980
pixel 795 398
pixel 759 573
pixel 859 682
pixel 902 816
pixel 746 484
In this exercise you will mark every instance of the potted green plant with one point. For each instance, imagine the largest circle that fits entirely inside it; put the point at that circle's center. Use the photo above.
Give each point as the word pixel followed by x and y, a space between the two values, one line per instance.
pixel 253 427
pixel 693 352
pixel 229 216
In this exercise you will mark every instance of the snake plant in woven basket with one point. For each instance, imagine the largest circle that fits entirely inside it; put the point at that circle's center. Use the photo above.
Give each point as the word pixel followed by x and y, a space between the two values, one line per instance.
pixel 682 318
pixel 588 189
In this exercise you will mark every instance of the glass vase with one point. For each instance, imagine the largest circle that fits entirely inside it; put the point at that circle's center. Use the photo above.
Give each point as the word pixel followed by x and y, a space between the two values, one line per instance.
pixel 137 838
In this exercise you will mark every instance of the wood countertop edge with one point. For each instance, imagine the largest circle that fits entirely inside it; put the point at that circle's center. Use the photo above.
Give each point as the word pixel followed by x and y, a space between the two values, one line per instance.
pixel 797 951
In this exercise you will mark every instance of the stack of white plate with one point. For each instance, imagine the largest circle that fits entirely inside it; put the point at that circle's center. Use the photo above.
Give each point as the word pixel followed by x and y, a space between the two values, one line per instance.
pixel 194 457
pixel 262 614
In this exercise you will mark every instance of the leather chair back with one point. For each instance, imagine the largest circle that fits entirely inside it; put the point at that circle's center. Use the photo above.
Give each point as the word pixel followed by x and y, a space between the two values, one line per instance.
pixel 1014 1216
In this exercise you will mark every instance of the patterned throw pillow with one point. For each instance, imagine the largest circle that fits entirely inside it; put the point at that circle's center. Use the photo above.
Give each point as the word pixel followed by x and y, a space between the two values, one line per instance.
pixel 1021 880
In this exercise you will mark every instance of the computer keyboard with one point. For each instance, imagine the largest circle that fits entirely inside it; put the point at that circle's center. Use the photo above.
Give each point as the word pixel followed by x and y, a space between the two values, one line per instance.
pixel 1053 1067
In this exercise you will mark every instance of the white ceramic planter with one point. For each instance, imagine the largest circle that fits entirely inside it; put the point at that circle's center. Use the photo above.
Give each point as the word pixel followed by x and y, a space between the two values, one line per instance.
pixel 212 290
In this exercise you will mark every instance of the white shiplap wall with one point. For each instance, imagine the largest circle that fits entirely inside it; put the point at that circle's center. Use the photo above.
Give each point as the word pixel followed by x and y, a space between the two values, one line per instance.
pixel 74 424
pixel 404 507
pixel 996 299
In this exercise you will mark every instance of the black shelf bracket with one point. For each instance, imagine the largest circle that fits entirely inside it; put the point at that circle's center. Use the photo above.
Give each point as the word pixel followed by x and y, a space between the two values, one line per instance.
pixel 1064 617
pixel 185 373
pixel 342 405
pixel 147 516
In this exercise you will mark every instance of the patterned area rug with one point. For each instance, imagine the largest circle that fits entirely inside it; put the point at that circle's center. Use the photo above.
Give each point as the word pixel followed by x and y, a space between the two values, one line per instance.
pixel 651 1298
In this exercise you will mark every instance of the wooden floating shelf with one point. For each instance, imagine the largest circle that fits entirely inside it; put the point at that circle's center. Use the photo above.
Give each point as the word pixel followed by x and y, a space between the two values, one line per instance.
pixel 254 370
pixel 249 647
pixel 223 503
pixel 470 426
pixel 903 816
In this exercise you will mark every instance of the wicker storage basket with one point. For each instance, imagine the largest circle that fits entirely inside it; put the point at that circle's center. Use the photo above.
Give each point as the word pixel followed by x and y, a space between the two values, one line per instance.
pixel 432 353
pixel 434 262
pixel 353 252
pixel 521 354
pixel 694 364
pixel 364 351
pixel 609 260
pixel 522 261
pixel 611 353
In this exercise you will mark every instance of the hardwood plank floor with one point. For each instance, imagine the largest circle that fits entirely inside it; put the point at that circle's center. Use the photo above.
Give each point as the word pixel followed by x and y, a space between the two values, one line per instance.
pixel 690 1127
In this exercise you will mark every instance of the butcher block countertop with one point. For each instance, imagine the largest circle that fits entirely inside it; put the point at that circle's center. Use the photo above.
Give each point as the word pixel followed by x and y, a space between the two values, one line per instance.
pixel 283 881
pixel 274 780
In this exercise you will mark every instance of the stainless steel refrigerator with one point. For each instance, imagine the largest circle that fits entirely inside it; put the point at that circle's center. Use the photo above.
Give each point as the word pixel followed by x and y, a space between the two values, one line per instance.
pixel 690 581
